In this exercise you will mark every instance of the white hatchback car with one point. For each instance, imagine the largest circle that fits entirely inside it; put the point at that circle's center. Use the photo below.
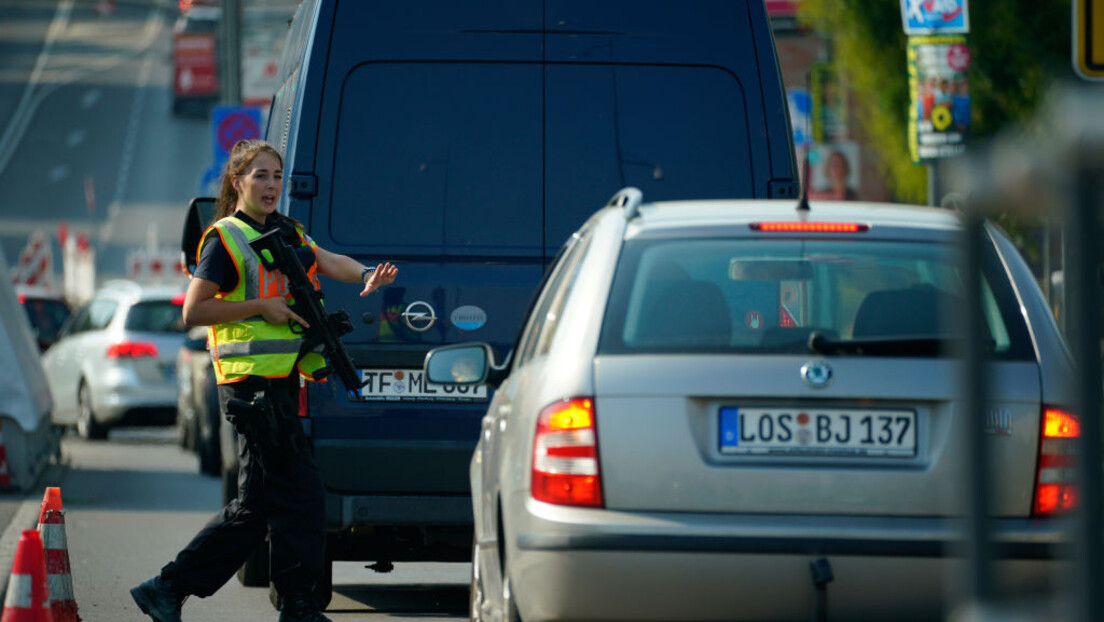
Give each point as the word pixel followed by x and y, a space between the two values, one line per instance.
pixel 115 361
pixel 715 406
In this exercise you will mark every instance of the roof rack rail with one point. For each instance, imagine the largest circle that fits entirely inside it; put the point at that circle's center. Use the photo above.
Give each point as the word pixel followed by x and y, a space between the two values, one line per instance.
pixel 628 198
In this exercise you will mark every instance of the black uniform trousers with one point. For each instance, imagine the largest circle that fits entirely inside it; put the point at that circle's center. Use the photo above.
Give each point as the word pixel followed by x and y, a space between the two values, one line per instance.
pixel 279 492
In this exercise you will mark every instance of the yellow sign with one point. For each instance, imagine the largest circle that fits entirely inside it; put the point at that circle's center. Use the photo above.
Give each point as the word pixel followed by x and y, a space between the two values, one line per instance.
pixel 1088 39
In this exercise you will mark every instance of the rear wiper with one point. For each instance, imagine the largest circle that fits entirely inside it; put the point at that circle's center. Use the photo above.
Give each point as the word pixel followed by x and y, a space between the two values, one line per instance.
pixel 893 345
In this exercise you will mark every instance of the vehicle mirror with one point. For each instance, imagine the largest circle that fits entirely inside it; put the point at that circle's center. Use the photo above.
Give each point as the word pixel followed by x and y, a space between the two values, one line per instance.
pixel 769 269
pixel 458 364
pixel 201 214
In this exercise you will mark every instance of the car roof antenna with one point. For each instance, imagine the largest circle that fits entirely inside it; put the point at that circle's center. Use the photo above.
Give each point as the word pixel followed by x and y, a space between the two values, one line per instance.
pixel 803 200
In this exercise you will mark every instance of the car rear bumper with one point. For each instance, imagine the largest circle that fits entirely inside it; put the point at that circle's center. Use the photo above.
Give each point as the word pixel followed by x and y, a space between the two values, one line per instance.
pixel 622 566
pixel 113 403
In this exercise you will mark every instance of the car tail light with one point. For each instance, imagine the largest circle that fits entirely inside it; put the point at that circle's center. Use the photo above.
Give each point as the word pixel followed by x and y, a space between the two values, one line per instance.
pixel 565 455
pixel 303 403
pixel 131 350
pixel 809 227
pixel 1055 486
pixel 178 299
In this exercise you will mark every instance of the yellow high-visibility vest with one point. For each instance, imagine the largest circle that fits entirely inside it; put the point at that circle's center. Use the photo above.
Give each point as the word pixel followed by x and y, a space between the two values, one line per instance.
pixel 253 346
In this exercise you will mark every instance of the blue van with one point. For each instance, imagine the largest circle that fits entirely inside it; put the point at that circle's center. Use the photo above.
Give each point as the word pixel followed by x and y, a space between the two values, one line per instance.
pixel 465 141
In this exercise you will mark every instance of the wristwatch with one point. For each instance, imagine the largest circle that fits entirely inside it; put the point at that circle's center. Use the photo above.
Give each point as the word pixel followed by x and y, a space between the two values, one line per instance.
pixel 364 274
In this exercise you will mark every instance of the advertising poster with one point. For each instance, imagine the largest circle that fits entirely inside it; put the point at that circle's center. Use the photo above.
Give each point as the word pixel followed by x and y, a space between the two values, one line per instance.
pixel 939 113
pixel 829 99
pixel 834 171
pixel 926 17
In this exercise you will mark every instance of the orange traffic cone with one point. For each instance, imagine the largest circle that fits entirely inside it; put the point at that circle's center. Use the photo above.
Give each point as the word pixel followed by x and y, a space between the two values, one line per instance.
pixel 28 599
pixel 51 525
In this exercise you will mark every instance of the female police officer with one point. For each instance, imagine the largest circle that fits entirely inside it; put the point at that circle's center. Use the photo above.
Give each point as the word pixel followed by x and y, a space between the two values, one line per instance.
pixel 255 352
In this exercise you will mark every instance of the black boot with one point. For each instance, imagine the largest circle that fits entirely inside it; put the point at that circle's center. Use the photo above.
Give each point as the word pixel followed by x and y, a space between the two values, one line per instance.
pixel 157 599
pixel 299 607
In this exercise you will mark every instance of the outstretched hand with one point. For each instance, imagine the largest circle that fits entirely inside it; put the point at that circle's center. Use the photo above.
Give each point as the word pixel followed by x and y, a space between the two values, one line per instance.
pixel 384 274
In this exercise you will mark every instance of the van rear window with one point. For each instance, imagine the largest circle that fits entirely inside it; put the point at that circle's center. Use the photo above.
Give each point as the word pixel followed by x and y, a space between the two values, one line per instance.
pixel 507 159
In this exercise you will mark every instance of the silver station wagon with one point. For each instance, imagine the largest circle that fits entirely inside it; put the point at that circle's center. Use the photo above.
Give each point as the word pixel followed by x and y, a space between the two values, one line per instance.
pixel 748 410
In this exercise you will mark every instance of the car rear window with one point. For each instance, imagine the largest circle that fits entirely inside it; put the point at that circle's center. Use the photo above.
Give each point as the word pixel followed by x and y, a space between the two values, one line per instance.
pixel 156 316
pixel 770 296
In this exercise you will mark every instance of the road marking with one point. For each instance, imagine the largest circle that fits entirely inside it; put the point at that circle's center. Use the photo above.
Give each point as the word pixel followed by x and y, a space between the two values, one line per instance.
pixel 76 137
pixel 31 99
pixel 25 110
pixel 90 98
pixel 59 173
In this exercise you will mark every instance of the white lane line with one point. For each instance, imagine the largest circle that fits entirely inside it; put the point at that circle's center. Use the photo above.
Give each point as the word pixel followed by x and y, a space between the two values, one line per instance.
pixel 25 110
pixel 30 101
pixel 59 173
pixel 90 98
pixel 76 137
pixel 129 142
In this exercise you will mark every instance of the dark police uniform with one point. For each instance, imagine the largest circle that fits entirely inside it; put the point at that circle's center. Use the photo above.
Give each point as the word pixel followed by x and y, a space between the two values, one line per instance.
pixel 279 490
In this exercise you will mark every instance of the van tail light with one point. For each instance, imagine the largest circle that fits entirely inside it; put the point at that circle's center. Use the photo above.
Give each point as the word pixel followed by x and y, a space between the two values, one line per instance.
pixel 565 455
pixel 303 398
pixel 131 350
pixel 1055 483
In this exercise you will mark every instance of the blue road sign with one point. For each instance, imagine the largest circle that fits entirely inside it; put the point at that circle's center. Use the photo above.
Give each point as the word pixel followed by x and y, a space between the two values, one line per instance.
pixel 230 124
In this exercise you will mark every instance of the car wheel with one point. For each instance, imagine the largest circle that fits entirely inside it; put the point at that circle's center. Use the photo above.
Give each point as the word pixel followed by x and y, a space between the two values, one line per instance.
pixel 87 426
pixel 475 597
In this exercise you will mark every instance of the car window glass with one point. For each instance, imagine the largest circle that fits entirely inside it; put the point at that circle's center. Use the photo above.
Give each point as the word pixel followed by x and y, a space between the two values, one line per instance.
pixel 770 295
pixel 77 322
pixel 100 313
pixel 156 316
pixel 563 270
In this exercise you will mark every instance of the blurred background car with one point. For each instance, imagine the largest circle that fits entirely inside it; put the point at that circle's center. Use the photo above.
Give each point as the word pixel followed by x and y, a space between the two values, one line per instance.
pixel 197 406
pixel 710 399
pixel 114 363
pixel 46 310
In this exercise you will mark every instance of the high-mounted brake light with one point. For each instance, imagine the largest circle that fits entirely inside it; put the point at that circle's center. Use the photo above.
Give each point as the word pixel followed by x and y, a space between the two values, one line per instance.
pixel 1055 484
pixel 809 227
pixel 131 350
pixel 565 455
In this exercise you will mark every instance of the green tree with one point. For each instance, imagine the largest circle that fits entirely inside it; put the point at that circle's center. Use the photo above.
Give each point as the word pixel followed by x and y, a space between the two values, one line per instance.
pixel 1018 49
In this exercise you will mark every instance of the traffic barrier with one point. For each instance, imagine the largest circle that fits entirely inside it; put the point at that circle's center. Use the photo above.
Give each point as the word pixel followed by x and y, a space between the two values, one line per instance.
pixel 51 525
pixel 28 598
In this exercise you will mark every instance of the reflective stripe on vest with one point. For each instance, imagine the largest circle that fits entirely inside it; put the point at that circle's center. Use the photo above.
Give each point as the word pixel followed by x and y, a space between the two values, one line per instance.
pixel 252 346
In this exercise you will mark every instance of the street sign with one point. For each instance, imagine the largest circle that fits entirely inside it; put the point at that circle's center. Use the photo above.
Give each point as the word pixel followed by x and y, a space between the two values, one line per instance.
pixel 231 124
pixel 1088 39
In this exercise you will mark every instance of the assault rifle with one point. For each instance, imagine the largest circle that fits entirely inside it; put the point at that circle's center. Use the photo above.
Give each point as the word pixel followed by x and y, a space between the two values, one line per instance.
pixel 325 329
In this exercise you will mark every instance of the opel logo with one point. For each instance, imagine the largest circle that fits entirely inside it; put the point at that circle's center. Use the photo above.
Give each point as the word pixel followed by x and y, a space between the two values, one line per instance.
pixel 816 375
pixel 419 316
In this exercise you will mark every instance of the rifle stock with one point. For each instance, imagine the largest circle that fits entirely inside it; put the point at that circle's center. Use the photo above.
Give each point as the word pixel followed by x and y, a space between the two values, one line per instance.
pixel 325 329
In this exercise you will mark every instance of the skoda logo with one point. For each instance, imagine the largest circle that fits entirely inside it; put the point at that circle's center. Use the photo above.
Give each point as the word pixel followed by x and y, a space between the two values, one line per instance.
pixel 419 316
pixel 816 374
